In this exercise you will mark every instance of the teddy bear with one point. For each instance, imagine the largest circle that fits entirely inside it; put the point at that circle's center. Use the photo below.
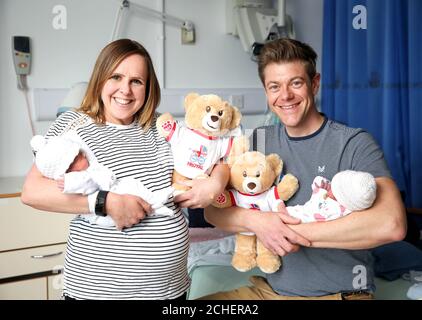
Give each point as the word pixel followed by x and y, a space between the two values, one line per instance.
pixel 204 139
pixel 252 177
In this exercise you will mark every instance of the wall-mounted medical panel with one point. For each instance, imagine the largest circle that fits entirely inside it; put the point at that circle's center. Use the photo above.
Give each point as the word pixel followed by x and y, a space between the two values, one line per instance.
pixel 49 101
pixel 249 101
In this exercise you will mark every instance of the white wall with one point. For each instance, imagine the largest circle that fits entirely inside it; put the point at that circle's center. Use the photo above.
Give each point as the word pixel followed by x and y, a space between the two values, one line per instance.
pixel 307 17
pixel 63 57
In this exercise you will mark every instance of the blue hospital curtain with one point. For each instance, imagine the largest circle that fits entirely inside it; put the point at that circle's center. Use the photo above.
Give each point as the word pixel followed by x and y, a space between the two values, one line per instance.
pixel 372 79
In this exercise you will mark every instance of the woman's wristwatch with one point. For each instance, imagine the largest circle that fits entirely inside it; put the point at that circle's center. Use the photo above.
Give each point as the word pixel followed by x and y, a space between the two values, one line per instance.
pixel 100 209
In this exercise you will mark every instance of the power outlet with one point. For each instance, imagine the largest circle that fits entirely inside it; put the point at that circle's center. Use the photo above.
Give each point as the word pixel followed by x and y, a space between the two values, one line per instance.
pixel 188 37
pixel 237 100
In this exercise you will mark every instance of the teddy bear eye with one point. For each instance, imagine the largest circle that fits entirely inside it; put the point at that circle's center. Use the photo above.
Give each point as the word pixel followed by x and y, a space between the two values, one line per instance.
pixel 208 108
pixel 220 113
pixel 257 174
pixel 245 174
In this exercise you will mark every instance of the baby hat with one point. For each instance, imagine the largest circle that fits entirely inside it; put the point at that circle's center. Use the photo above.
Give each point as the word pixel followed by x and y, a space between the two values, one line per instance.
pixel 54 156
pixel 355 190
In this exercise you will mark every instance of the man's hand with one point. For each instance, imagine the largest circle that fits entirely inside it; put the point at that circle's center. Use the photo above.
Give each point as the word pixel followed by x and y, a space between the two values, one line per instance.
pixel 273 231
pixel 126 210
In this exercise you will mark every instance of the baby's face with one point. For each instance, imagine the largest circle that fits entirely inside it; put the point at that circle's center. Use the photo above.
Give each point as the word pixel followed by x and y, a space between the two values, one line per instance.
pixel 79 164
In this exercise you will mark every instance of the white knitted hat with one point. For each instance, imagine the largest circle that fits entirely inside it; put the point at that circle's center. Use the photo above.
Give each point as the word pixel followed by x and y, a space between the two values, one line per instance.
pixel 55 155
pixel 355 190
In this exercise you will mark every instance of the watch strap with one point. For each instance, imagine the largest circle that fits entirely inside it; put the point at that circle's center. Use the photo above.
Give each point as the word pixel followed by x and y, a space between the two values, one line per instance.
pixel 100 209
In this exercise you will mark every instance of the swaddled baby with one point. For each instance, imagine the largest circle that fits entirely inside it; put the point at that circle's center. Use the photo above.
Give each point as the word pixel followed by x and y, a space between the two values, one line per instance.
pixel 69 161
pixel 348 191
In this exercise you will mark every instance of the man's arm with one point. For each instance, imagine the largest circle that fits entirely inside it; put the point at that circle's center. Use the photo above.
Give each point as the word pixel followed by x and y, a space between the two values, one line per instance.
pixel 270 227
pixel 384 222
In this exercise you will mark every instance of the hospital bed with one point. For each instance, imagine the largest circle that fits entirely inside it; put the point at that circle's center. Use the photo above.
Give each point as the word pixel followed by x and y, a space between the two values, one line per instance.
pixel 211 251
pixel 210 270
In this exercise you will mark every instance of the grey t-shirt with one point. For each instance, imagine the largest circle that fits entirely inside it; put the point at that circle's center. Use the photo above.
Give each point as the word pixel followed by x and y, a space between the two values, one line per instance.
pixel 333 148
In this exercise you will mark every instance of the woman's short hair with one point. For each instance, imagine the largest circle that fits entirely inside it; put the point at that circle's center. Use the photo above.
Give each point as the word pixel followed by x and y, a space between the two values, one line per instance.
pixel 287 50
pixel 108 60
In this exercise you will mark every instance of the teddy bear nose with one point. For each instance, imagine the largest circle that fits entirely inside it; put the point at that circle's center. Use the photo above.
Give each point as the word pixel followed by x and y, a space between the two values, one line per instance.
pixel 251 185
pixel 214 118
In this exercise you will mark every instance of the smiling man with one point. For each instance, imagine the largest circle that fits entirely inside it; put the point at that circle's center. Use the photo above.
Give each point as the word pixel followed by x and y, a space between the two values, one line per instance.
pixel 321 260
pixel 290 94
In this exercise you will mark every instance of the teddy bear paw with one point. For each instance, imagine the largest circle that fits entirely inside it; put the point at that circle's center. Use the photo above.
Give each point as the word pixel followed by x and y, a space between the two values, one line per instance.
pixel 268 263
pixel 220 201
pixel 167 126
pixel 244 262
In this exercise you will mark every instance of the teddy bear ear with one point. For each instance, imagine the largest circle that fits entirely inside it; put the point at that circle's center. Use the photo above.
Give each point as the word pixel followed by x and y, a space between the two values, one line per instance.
pixel 237 116
pixel 231 161
pixel 191 97
pixel 275 162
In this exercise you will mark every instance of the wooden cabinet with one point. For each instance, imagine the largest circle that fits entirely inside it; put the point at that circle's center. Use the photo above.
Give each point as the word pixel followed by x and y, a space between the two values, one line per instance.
pixel 32 289
pixel 32 250
pixel 24 227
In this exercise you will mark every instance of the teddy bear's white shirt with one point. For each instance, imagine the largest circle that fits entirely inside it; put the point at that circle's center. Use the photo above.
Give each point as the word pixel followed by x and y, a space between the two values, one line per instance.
pixel 266 201
pixel 195 153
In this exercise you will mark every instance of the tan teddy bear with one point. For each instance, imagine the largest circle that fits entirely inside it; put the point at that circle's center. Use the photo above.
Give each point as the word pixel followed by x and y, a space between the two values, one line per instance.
pixel 204 139
pixel 252 176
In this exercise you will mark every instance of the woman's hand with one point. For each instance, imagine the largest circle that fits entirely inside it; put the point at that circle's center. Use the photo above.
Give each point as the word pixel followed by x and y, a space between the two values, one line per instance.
pixel 126 210
pixel 201 194
pixel 204 191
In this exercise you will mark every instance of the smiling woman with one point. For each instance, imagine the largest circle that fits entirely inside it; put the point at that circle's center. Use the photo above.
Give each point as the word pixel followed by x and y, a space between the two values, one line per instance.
pixel 124 92
pixel 125 75
pixel 144 256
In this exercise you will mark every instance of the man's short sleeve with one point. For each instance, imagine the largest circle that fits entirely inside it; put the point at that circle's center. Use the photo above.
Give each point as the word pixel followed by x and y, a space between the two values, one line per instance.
pixel 366 155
